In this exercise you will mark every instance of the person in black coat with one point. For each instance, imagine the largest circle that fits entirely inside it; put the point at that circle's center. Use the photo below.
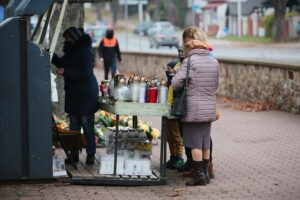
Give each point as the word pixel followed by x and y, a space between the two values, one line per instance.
pixel 81 87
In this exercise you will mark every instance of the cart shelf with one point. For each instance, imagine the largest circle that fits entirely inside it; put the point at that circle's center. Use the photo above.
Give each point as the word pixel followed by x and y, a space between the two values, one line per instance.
pixel 137 109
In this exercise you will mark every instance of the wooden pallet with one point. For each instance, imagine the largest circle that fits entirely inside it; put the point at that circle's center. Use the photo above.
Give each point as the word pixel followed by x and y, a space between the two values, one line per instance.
pixel 89 175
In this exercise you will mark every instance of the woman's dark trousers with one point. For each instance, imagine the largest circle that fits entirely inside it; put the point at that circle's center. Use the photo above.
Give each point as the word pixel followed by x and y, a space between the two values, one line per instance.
pixel 87 123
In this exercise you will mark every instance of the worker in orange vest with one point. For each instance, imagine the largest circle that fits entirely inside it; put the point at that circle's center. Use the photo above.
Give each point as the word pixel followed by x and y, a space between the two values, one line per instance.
pixel 109 52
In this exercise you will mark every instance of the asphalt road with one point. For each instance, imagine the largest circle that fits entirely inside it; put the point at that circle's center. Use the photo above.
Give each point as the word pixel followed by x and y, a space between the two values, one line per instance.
pixel 281 53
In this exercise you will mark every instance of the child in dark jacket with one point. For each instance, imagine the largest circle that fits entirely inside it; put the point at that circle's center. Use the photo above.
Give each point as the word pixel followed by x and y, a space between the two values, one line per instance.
pixel 174 138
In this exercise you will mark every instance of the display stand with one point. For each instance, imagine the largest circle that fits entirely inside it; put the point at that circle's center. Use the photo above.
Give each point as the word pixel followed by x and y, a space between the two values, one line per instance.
pixel 91 175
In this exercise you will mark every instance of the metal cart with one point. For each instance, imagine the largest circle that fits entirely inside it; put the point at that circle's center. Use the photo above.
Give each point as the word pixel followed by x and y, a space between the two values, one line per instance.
pixel 90 174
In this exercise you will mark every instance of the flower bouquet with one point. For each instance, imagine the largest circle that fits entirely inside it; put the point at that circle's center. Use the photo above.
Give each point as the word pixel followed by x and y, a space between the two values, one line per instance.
pixel 105 120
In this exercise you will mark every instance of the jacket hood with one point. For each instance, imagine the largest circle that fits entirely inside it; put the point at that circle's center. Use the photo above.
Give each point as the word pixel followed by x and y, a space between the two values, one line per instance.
pixel 196 44
pixel 198 51
pixel 84 41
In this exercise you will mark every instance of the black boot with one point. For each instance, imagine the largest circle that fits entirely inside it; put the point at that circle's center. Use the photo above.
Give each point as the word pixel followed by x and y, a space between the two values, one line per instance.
pixel 90 159
pixel 187 166
pixel 199 178
pixel 205 167
pixel 190 170
pixel 170 162
pixel 74 157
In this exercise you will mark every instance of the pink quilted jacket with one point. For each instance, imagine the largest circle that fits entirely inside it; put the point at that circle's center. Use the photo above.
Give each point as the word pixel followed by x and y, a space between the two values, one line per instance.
pixel 202 87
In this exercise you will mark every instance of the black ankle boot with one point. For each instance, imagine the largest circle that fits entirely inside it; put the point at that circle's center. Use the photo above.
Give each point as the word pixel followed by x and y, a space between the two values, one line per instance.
pixel 75 159
pixel 187 166
pixel 170 162
pixel 205 167
pixel 199 178
pixel 90 159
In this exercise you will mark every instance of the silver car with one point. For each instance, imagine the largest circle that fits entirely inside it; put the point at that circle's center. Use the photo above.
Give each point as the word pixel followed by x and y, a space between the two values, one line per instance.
pixel 159 26
pixel 165 37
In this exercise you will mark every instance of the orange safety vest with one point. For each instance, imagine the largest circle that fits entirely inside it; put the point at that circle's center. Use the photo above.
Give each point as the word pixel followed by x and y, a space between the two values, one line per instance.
pixel 109 42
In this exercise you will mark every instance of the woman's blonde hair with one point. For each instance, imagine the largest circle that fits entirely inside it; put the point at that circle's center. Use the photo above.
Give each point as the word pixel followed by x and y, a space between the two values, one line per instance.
pixel 194 33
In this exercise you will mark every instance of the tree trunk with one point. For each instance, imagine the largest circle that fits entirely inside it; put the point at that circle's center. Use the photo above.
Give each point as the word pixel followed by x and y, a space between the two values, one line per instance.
pixel 279 20
pixel 98 10
pixel 157 10
pixel 115 11
pixel 172 13
pixel 181 6
pixel 74 16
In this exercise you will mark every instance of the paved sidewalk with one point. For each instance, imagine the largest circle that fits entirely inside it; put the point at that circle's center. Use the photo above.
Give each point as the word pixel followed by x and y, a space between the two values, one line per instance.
pixel 256 156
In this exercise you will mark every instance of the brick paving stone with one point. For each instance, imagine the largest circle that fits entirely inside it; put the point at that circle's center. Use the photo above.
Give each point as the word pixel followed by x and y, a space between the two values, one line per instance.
pixel 256 156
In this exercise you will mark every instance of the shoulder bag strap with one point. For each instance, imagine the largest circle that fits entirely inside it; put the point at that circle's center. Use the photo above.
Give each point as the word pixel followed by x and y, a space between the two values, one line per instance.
pixel 187 72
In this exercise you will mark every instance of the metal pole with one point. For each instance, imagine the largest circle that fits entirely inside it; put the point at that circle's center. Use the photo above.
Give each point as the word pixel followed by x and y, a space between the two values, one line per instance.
pixel 37 27
pixel 48 18
pixel 140 11
pixel 239 12
pixel 116 145
pixel 193 14
pixel 58 27
pixel 140 5
pixel 24 97
pixel 126 22
pixel 163 146
pixel 135 121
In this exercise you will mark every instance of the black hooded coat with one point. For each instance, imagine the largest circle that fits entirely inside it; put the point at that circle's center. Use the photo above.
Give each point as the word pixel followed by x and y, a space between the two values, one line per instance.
pixel 81 87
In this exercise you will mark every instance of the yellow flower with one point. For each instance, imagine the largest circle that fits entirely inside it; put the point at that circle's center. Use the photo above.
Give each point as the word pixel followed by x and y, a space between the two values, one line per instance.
pixel 155 133
pixel 123 117
pixel 130 123
pixel 62 124
pixel 102 112
pixel 145 127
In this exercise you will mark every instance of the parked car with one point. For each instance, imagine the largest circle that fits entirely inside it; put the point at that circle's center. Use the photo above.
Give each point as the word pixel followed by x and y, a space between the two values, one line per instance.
pixel 142 27
pixel 96 32
pixel 165 37
pixel 159 26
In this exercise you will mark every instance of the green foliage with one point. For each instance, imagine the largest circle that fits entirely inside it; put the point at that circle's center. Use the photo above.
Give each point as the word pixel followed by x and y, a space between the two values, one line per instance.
pixel 151 10
pixel 163 11
pixel 291 13
pixel 268 23
pixel 181 8
pixel 107 121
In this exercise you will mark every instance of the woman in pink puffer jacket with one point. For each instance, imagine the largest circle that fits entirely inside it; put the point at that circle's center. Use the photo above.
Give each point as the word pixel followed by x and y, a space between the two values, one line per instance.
pixel 201 100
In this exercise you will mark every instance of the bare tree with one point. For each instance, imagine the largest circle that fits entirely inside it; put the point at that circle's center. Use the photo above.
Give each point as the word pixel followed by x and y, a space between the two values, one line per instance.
pixel 115 10
pixel 182 11
pixel 172 12
pixel 157 10
pixel 74 16
pixel 98 7
pixel 279 18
